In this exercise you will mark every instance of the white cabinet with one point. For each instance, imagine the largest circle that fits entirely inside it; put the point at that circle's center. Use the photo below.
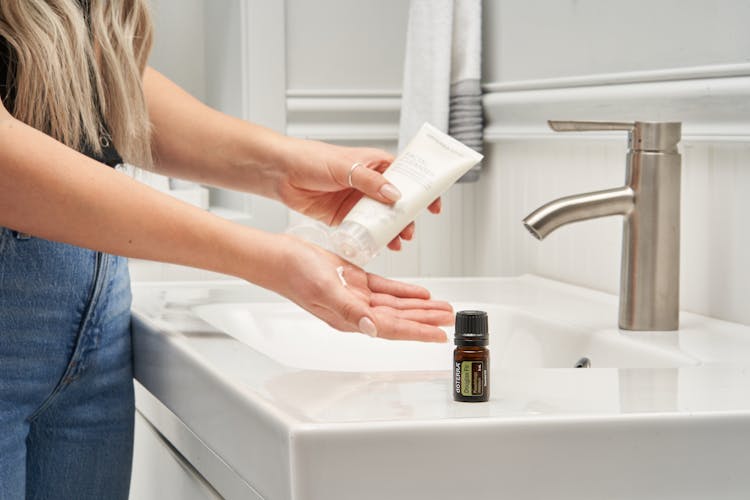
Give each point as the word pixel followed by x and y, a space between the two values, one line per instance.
pixel 160 472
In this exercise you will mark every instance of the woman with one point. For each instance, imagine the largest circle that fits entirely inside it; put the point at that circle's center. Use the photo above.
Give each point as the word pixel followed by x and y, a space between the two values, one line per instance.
pixel 76 93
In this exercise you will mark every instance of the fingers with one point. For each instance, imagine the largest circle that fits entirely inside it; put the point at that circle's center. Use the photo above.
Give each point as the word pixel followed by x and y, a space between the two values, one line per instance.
pixel 395 328
pixel 355 312
pixel 387 325
pixel 434 317
pixel 381 307
pixel 436 206
pixel 378 284
pixel 407 234
pixel 382 299
pixel 392 324
pixel 406 313
pixel 368 180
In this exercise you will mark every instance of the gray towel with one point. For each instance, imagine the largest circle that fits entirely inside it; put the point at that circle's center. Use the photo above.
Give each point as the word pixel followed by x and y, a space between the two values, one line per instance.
pixel 442 72
pixel 466 121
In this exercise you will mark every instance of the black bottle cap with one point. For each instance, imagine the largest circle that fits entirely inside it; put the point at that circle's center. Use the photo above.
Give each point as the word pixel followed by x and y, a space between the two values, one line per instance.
pixel 471 328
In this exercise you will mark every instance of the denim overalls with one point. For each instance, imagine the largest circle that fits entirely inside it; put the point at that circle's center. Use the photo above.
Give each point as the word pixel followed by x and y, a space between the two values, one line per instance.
pixel 66 371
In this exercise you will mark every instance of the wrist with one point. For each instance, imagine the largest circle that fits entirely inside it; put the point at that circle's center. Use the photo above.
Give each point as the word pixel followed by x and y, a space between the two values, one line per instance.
pixel 282 270
pixel 255 256
pixel 284 264
pixel 289 154
pixel 257 159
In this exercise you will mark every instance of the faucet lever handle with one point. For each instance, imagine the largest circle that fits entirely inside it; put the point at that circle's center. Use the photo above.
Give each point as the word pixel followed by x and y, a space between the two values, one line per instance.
pixel 579 126
pixel 642 136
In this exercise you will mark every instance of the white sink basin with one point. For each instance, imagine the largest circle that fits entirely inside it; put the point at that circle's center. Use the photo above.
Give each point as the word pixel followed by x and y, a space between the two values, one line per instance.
pixel 291 336
pixel 302 412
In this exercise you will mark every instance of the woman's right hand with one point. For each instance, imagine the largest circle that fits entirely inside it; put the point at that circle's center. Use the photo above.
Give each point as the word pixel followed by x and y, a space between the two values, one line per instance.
pixel 350 299
pixel 321 181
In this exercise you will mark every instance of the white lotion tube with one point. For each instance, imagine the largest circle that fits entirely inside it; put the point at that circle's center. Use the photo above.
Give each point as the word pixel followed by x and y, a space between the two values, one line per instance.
pixel 431 163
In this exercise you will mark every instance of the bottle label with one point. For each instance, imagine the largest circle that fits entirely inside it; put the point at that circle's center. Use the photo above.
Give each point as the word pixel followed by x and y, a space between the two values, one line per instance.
pixel 473 378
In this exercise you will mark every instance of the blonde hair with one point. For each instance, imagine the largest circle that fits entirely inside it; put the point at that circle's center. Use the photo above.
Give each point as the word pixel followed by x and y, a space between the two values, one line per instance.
pixel 77 64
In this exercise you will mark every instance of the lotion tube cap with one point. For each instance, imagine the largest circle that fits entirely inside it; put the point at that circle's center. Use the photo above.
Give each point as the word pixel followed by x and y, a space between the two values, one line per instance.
pixel 353 242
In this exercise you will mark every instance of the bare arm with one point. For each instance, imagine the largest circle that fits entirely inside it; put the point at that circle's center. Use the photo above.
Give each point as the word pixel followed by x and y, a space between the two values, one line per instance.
pixel 53 192
pixel 192 141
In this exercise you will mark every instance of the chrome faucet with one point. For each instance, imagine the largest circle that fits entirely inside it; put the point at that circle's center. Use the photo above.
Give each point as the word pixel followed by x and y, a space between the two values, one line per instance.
pixel 650 203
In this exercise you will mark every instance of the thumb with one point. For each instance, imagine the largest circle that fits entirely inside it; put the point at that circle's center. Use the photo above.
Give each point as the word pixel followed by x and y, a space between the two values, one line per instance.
pixel 355 312
pixel 372 183
pixel 367 327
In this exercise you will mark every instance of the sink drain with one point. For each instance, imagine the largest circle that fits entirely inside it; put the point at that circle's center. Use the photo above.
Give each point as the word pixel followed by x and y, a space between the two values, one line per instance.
pixel 584 362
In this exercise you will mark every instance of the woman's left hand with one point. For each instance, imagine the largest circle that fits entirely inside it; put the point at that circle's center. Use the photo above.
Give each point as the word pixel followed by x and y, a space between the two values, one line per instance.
pixel 353 300
pixel 316 182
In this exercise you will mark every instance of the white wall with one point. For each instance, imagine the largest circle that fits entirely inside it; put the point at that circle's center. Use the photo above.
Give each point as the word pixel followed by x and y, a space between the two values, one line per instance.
pixel 180 43
pixel 541 39
pixel 336 46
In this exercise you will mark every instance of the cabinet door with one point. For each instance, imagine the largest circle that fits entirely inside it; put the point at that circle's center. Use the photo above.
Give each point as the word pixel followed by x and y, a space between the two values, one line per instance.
pixel 160 472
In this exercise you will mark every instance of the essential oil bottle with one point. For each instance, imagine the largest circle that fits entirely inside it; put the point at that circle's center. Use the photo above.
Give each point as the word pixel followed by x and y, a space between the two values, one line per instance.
pixel 471 358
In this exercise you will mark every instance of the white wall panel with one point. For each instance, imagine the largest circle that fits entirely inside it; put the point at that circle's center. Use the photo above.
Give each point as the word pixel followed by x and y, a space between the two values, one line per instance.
pixel 542 39
pixel 345 45
pixel 223 62
pixel 179 43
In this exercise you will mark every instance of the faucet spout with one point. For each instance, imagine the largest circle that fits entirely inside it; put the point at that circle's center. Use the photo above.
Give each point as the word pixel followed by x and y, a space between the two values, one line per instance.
pixel 547 218
pixel 650 204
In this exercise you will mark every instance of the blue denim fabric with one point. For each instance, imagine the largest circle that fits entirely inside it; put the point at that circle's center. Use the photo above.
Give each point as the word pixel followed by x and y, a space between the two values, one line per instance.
pixel 66 388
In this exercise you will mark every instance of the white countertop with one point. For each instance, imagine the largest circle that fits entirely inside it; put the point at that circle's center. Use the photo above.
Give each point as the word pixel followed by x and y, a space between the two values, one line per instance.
pixel 268 421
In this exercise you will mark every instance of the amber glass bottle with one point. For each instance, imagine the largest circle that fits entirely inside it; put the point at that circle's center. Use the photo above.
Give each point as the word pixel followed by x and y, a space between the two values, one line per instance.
pixel 471 358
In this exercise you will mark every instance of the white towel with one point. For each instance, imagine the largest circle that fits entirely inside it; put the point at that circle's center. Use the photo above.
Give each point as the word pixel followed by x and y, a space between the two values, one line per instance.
pixel 442 72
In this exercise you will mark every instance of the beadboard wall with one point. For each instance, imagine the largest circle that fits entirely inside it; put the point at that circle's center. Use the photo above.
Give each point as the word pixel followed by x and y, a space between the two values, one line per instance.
pixel 715 272
pixel 531 165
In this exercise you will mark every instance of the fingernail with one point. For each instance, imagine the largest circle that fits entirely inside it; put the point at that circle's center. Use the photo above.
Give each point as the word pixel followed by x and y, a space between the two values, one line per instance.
pixel 390 192
pixel 367 327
